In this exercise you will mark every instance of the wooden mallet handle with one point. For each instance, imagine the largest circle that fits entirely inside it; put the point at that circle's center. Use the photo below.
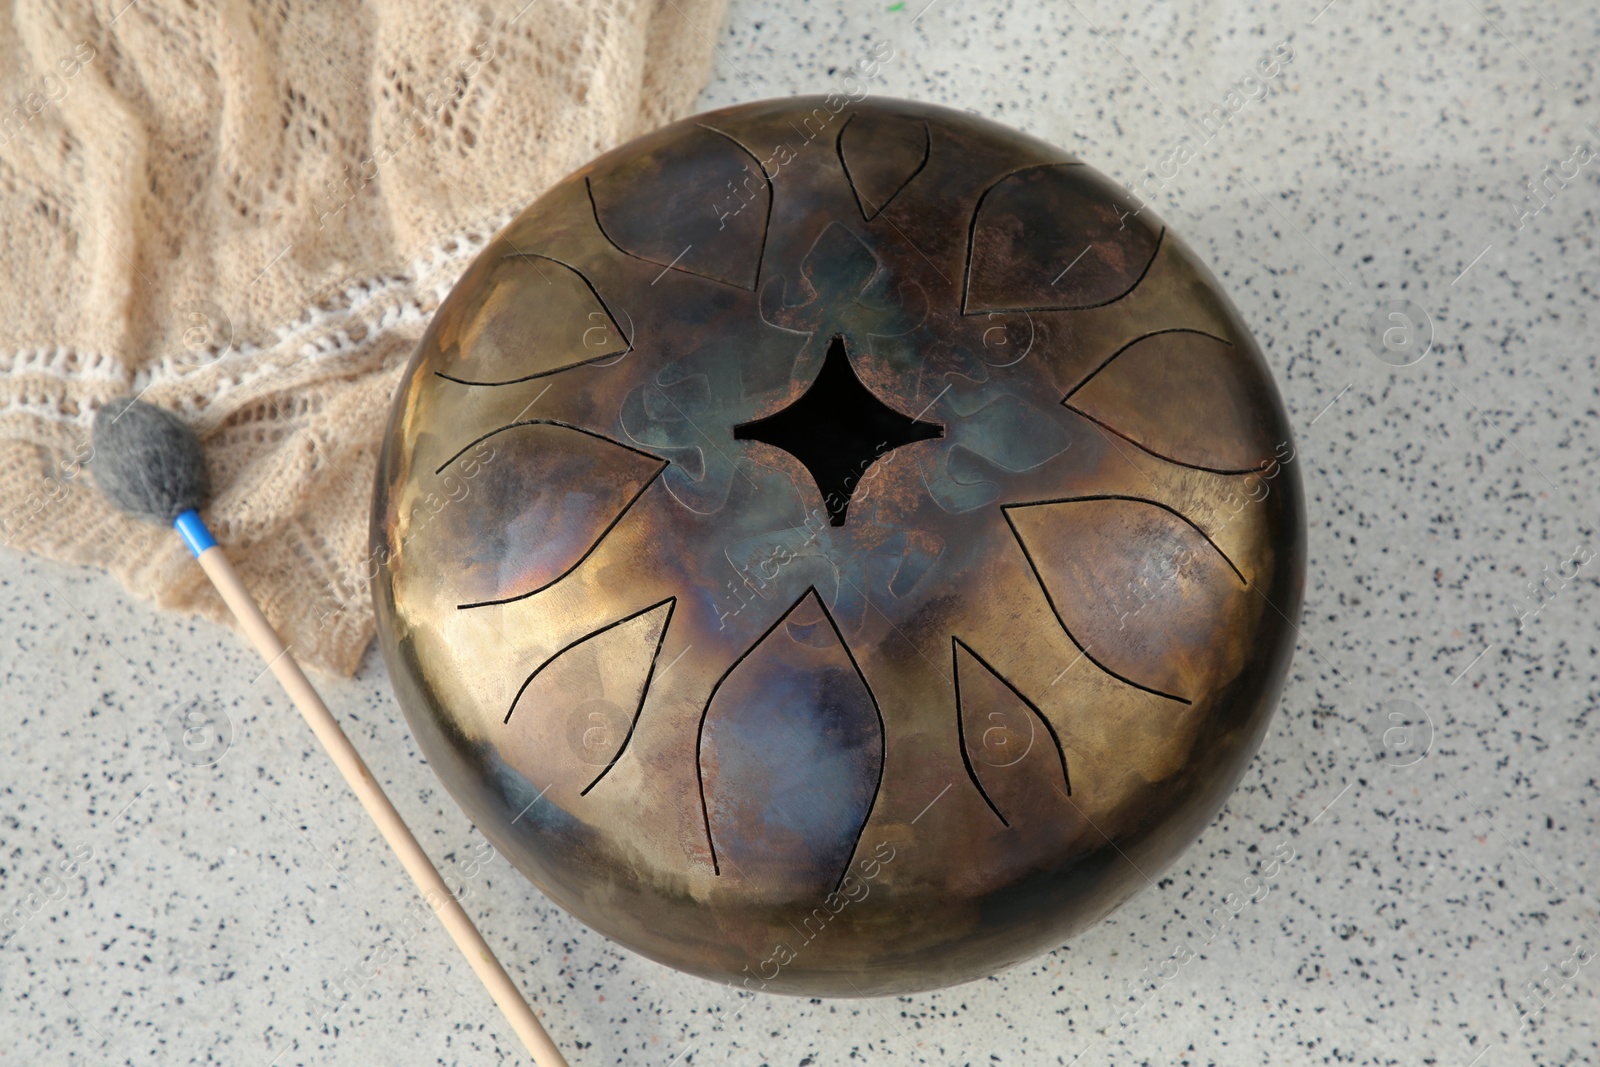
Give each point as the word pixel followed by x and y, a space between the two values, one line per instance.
pixel 371 795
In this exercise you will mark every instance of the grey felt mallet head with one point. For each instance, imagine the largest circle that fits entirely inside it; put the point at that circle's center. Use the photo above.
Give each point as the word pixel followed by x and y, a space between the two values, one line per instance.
pixel 147 461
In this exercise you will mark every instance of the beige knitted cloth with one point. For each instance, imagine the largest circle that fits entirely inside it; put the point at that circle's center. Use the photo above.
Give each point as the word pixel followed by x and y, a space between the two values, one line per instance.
pixel 247 212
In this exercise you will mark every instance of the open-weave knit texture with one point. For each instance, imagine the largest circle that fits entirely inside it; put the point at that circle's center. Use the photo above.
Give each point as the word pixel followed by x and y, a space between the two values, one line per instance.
pixel 247 210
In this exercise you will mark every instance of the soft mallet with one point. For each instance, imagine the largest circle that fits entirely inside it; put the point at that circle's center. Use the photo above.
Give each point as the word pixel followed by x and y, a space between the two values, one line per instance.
pixel 148 462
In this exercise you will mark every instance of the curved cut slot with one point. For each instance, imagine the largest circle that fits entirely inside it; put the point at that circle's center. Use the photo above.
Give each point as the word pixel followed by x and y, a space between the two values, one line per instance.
pixel 1012 753
pixel 1146 595
pixel 533 316
pixel 1055 237
pixel 1185 397
pixel 573 717
pixel 790 758
pixel 880 154
pixel 543 496
pixel 697 202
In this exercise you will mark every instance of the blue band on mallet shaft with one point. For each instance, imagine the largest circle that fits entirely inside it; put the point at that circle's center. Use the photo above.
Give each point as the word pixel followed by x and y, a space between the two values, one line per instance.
pixel 192 528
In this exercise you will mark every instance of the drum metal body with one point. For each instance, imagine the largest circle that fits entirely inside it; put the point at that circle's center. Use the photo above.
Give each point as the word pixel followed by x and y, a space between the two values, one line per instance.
pixel 838 548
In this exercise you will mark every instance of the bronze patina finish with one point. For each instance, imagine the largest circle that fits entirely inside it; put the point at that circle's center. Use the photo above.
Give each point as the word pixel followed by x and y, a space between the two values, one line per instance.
pixel 838 547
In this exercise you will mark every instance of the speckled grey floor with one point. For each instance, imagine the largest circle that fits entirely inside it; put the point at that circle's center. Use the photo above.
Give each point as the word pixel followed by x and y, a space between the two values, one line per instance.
pixel 243 912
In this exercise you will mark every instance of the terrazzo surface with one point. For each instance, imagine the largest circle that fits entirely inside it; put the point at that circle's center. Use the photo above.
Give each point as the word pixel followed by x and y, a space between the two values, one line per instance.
pixel 1432 887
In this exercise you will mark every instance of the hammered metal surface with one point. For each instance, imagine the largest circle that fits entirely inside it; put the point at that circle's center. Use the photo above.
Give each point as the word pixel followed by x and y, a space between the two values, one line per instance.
pixel 839 548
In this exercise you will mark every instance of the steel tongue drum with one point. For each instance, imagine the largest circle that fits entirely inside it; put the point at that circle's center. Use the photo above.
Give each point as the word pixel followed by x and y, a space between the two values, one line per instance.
pixel 838 547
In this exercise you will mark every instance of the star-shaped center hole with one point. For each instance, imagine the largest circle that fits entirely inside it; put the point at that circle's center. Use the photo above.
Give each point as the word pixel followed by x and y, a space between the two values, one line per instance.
pixel 837 429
